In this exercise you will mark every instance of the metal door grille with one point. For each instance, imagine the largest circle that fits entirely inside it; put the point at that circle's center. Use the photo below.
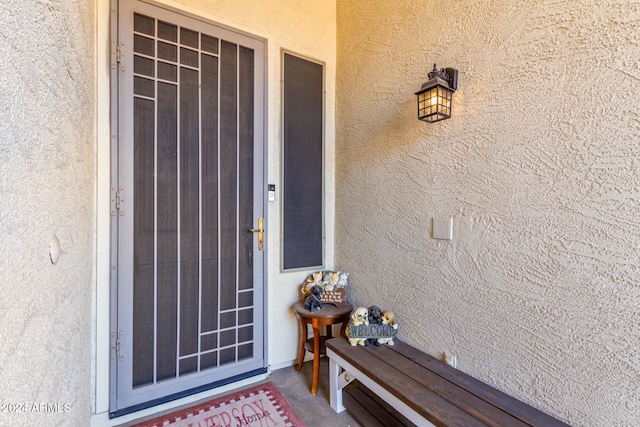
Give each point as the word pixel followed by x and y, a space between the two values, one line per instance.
pixel 193 297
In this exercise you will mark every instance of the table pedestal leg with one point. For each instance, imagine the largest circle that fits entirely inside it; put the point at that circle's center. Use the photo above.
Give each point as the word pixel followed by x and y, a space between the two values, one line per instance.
pixel 316 356
pixel 303 338
pixel 327 317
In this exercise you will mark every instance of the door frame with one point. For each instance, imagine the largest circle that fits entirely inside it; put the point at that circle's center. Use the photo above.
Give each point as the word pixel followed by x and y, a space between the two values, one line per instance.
pixel 260 200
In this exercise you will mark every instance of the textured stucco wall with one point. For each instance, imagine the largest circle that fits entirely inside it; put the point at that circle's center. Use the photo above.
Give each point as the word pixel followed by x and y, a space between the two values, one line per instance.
pixel 538 292
pixel 46 188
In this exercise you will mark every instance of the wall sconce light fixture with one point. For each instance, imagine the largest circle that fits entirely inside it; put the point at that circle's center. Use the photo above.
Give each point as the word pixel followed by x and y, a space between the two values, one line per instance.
pixel 434 98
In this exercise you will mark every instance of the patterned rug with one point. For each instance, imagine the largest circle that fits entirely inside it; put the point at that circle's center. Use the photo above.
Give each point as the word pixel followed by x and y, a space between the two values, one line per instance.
pixel 259 406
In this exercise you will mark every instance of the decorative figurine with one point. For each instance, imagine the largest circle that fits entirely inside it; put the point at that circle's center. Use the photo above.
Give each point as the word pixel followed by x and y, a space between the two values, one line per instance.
pixel 342 280
pixel 388 318
pixel 333 284
pixel 313 301
pixel 375 315
pixel 312 280
pixel 374 319
pixel 371 326
pixel 330 280
pixel 359 317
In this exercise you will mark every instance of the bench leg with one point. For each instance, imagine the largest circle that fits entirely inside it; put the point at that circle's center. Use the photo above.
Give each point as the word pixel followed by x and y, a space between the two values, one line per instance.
pixel 334 388
pixel 337 381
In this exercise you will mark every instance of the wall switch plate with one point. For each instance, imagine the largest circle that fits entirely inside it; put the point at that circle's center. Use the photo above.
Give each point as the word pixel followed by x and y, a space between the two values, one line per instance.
pixel 442 228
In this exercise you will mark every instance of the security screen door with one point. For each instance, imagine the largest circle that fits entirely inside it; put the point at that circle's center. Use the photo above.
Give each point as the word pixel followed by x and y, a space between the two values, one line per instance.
pixel 188 197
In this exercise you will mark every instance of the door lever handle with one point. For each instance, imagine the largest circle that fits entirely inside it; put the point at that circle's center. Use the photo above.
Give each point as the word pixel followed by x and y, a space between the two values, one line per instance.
pixel 260 231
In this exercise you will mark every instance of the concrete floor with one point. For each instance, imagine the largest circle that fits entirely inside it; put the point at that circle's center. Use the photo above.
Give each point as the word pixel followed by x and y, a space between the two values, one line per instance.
pixel 315 411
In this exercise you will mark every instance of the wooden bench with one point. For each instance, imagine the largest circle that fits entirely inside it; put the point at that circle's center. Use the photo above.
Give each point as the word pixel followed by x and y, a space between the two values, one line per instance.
pixel 425 390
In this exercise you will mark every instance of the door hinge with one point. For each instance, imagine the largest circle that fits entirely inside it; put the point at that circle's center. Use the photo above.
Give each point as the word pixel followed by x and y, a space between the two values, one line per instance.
pixel 117 201
pixel 120 56
pixel 118 347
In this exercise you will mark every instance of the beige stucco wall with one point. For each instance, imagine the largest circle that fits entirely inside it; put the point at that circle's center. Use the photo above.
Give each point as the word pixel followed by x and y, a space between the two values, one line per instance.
pixel 538 292
pixel 46 189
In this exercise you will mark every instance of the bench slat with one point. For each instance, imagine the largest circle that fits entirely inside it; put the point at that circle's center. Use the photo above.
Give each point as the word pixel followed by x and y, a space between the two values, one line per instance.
pixel 451 391
pixel 366 407
pixel 432 407
pixel 441 394
pixel 527 414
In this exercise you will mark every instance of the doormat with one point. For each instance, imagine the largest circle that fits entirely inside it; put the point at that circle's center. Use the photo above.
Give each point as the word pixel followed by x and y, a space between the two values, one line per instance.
pixel 259 406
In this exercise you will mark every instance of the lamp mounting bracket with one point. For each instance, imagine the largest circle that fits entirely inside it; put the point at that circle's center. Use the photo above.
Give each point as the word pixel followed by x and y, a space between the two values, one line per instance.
pixel 449 75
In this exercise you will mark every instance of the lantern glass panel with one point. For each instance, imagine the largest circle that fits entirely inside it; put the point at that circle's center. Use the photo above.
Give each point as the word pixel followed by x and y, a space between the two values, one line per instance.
pixel 434 104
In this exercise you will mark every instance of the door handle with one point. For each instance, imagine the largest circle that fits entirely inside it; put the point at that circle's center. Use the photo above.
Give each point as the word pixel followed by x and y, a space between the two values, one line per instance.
pixel 260 231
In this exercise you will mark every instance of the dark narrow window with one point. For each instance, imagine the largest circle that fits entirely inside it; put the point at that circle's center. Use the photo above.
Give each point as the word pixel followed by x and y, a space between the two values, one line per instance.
pixel 302 163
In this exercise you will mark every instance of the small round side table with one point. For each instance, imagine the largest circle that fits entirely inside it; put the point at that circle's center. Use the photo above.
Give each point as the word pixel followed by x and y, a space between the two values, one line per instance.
pixel 328 315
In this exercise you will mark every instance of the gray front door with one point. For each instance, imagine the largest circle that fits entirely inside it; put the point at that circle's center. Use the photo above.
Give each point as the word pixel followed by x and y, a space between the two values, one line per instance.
pixel 188 188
